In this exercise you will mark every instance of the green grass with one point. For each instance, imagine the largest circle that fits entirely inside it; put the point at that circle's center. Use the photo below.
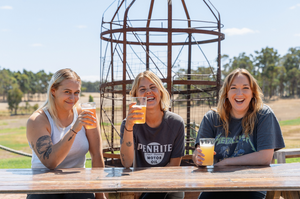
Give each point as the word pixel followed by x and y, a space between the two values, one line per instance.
pixel 290 122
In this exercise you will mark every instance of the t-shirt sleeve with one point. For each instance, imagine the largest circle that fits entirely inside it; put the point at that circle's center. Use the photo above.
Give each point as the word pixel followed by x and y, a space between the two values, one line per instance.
pixel 122 131
pixel 178 147
pixel 206 129
pixel 269 135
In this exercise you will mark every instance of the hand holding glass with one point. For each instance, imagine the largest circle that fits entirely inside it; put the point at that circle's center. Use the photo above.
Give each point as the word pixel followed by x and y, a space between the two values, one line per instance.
pixel 142 103
pixel 207 146
pixel 90 106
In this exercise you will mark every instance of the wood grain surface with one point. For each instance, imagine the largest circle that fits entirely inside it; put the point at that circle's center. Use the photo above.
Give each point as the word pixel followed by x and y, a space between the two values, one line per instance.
pixel 277 177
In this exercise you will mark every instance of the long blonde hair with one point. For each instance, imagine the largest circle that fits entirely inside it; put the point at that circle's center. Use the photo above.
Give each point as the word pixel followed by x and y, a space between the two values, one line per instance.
pixel 224 107
pixel 165 96
pixel 54 83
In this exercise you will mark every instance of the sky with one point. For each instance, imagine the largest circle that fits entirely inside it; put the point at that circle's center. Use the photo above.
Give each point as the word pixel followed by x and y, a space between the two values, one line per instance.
pixel 50 35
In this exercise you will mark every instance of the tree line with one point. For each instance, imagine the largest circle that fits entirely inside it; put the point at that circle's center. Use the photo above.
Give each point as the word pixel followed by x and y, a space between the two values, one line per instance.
pixel 277 76
pixel 15 86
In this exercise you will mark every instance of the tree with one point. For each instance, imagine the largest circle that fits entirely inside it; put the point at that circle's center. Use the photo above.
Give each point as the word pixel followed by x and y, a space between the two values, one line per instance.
pixel 266 61
pixel 14 98
pixel 91 99
pixel 6 82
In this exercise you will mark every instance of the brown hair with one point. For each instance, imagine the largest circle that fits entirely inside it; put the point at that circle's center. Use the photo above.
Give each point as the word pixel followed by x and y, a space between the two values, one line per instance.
pixel 224 107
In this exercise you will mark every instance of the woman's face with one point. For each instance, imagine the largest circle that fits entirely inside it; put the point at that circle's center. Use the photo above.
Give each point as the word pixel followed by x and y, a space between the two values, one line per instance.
pixel 239 96
pixel 148 89
pixel 67 94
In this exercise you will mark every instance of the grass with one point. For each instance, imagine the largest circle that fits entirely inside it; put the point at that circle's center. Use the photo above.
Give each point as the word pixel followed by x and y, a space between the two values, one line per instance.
pixel 15 138
pixel 290 122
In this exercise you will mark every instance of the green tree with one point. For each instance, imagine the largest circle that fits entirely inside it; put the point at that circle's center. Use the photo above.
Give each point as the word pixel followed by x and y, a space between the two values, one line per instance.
pixel 266 61
pixel 91 99
pixel 14 98
pixel 6 82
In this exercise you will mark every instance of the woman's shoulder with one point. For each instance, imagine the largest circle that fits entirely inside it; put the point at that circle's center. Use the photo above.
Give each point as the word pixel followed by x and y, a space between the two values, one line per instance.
pixel 173 116
pixel 265 110
pixel 37 118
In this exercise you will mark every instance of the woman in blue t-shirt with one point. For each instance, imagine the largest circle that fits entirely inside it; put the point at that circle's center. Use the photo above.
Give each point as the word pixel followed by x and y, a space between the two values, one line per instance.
pixel 246 131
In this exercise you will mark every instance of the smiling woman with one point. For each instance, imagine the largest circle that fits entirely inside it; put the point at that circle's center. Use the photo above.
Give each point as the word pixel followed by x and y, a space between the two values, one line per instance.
pixel 56 132
pixel 160 141
pixel 246 132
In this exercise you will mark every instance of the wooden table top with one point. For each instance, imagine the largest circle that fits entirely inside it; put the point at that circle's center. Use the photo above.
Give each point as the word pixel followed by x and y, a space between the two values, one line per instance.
pixel 283 177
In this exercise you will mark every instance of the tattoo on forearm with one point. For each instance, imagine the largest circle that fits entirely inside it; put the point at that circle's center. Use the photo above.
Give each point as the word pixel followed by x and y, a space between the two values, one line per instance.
pixel 44 146
pixel 71 137
pixel 129 144
pixel 122 156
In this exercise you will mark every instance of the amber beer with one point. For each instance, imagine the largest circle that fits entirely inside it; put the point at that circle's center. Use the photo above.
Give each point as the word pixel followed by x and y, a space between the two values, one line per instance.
pixel 207 145
pixel 90 106
pixel 142 121
pixel 142 103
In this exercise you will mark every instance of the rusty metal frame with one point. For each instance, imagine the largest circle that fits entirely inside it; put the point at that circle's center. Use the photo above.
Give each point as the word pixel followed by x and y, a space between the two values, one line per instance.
pixel 124 28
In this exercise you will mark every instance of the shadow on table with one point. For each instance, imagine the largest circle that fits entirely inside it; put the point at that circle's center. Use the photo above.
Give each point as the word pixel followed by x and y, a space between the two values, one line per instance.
pixel 226 169
pixel 40 171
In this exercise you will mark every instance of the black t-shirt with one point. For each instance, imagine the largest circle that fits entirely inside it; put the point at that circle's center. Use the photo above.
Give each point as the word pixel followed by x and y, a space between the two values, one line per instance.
pixel 266 134
pixel 154 147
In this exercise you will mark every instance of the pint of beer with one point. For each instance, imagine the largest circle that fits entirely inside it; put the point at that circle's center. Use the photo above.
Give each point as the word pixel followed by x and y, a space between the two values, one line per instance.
pixel 207 145
pixel 142 103
pixel 90 106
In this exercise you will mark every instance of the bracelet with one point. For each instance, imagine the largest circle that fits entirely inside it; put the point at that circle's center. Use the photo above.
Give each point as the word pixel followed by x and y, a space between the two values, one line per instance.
pixel 127 129
pixel 73 131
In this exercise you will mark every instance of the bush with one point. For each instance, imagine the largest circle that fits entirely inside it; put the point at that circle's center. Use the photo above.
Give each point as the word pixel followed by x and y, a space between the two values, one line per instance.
pixel 91 99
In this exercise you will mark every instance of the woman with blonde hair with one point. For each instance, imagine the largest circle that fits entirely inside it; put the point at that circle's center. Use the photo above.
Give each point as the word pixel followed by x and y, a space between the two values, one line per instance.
pixel 160 141
pixel 246 131
pixel 57 135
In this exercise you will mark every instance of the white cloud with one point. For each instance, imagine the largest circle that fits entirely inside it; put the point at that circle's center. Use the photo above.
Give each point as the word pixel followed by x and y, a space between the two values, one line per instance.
pixel 6 7
pixel 5 30
pixel 36 45
pixel 81 26
pixel 297 35
pixel 295 6
pixel 236 31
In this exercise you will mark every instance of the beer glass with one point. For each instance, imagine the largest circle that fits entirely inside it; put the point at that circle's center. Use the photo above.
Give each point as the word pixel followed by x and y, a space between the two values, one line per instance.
pixel 142 103
pixel 207 145
pixel 90 106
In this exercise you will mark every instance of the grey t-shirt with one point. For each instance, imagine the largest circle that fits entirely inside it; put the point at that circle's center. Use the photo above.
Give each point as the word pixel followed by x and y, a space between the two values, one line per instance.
pixel 266 134
pixel 154 147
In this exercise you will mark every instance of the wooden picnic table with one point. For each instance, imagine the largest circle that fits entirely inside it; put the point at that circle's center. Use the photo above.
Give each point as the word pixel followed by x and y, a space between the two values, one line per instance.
pixel 277 179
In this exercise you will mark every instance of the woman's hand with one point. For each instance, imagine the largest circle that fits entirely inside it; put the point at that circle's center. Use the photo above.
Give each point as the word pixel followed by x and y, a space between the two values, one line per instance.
pixel 84 118
pixel 199 157
pixel 133 116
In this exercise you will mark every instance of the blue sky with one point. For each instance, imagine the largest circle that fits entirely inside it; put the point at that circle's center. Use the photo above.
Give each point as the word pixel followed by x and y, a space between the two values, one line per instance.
pixel 51 35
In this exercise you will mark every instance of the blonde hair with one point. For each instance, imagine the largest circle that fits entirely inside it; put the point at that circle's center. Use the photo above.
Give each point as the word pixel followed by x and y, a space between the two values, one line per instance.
pixel 224 107
pixel 54 83
pixel 165 96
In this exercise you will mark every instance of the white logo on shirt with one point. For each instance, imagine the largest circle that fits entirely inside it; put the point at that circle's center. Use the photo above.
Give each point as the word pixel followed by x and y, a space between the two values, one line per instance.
pixel 154 152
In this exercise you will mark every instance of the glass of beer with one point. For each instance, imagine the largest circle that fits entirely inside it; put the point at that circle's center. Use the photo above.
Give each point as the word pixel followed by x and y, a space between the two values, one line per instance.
pixel 90 106
pixel 142 103
pixel 207 145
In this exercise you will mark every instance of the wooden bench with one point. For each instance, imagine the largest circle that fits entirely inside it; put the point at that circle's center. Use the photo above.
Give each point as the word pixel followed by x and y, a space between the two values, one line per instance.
pixel 282 154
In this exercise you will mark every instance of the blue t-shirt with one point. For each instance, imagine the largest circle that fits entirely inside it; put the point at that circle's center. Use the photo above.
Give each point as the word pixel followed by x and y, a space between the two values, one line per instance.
pixel 266 134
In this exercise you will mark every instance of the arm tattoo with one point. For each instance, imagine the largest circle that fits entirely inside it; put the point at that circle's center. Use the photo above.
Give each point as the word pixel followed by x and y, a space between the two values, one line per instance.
pixel 44 146
pixel 129 144
pixel 122 156
pixel 71 137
